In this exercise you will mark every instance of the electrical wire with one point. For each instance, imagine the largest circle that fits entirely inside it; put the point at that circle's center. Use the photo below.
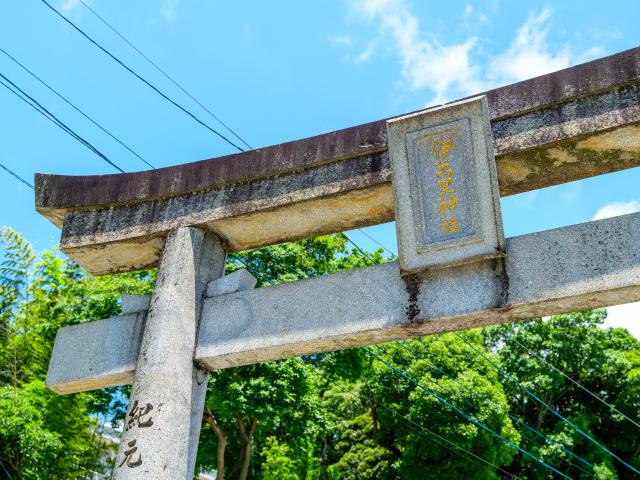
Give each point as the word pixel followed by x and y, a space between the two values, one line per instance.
pixel 550 440
pixel 141 78
pixel 5 470
pixel 376 241
pixel 165 74
pixel 48 114
pixel 252 270
pixel 158 91
pixel 512 417
pixel 539 357
pixel 14 174
pixel 547 406
pixel 366 255
pixel 68 102
pixel 461 413
pixel 406 419
pixel 66 128
pixel 51 117
pixel 438 438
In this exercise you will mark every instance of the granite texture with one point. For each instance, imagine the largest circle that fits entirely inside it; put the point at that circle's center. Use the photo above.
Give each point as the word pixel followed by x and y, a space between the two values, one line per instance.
pixel 564 126
pixel 96 354
pixel 162 426
pixel 237 281
pixel 470 227
pixel 583 266
pixel 134 303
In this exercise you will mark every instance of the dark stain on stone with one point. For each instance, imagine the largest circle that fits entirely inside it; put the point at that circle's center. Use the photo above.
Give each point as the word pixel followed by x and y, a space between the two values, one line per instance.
pixel 412 287
pixel 500 269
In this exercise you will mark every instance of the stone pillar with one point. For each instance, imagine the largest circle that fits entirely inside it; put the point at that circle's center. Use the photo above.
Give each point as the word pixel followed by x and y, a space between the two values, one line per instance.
pixel 160 435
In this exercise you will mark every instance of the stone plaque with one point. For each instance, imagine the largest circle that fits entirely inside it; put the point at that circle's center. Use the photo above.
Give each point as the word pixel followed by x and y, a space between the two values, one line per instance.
pixel 445 186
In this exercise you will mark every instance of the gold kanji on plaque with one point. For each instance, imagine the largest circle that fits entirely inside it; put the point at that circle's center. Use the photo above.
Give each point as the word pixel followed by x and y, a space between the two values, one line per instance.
pixel 447 198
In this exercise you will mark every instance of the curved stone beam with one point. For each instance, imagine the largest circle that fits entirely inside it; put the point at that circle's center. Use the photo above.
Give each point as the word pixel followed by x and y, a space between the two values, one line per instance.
pixel 564 126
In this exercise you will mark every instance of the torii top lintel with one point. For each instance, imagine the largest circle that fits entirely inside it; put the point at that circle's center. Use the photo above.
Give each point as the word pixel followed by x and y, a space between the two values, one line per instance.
pixel 547 130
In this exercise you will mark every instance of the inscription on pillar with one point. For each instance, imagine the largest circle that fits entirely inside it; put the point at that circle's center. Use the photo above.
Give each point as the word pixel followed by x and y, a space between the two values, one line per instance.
pixel 445 186
pixel 137 417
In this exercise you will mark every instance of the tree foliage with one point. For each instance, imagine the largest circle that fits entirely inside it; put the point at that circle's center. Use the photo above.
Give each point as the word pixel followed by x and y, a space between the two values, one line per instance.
pixel 335 415
pixel 43 435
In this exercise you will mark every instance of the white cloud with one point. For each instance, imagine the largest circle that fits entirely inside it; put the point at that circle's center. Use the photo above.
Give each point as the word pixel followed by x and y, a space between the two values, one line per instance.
pixel 591 54
pixel 344 40
pixel 617 208
pixel 365 54
pixel 169 9
pixel 453 69
pixel 69 5
pixel 425 63
pixel 625 316
pixel 449 69
pixel 529 54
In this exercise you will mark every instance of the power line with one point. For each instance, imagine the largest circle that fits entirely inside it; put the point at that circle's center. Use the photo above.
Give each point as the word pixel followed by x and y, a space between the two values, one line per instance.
pixel 546 405
pixel 451 406
pixel 157 67
pixel 438 438
pixel 392 411
pixel 14 174
pixel 214 131
pixel 268 281
pixel 252 270
pixel 166 75
pixel 139 77
pixel 457 410
pixel 370 237
pixel 512 417
pixel 51 117
pixel 539 357
pixel 298 274
pixel 550 440
pixel 5 470
pixel 62 97
pixel 366 255
pixel 158 91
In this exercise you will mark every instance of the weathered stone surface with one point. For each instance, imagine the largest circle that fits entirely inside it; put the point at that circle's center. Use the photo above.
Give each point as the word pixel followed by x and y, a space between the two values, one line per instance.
pixel 589 265
pixel 104 353
pixel 568 125
pixel 445 187
pixel 237 281
pixel 161 430
pixel 583 266
pixel 95 355
pixel 585 137
pixel 134 303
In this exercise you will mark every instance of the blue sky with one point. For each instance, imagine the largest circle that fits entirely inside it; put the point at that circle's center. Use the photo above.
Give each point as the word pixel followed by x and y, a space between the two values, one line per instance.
pixel 279 71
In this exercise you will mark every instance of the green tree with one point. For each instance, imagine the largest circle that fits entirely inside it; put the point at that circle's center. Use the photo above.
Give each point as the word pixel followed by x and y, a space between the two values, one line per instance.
pixel 43 435
pixel 335 415
pixel 604 361
pixel 385 432
pixel 278 400
pixel 278 464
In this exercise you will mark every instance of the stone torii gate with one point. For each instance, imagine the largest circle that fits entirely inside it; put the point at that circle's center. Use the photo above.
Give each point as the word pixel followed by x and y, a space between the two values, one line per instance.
pixel 438 172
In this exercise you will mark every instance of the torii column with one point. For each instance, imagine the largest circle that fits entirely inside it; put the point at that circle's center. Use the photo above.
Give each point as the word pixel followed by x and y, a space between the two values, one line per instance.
pixel 162 427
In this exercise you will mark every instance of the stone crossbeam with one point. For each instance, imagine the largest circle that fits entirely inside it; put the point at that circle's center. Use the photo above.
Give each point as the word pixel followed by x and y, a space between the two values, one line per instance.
pixel 564 126
pixel 583 266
